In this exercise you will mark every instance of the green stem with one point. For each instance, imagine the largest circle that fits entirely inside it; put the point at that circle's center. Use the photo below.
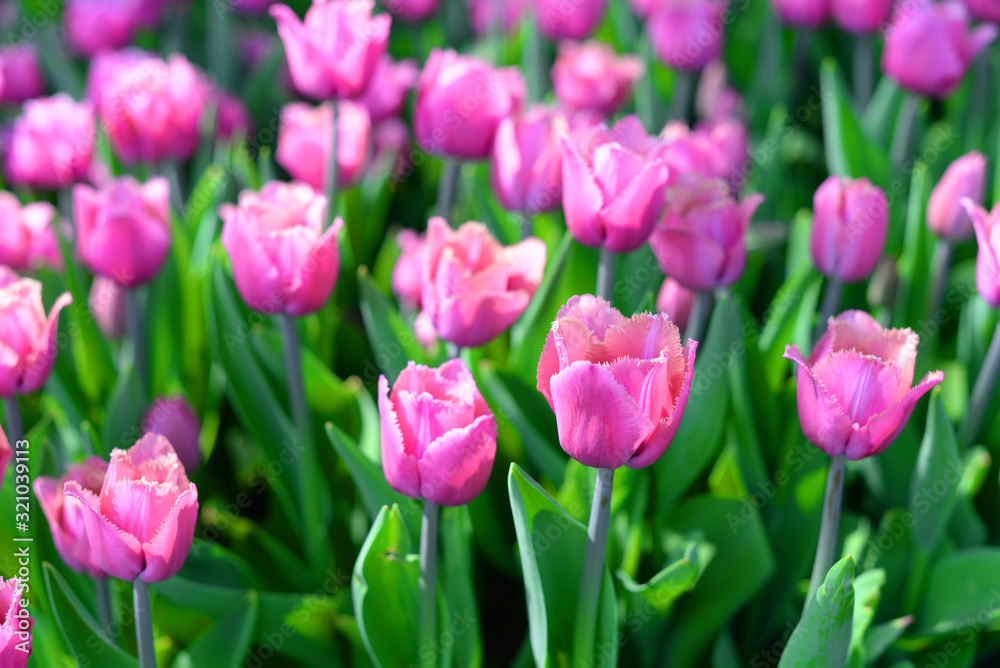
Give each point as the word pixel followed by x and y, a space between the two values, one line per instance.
pixel 535 67
pixel 832 296
pixel 136 327
pixel 15 424
pixel 680 99
pixel 915 579
pixel 698 319
pixel 446 189
pixel 592 576
pixel 428 584
pixel 864 69
pixel 829 528
pixel 606 275
pixel 102 592
pixel 943 255
pixel 331 170
pixel 143 625
pixel 645 99
pixel 982 392
pixel 901 138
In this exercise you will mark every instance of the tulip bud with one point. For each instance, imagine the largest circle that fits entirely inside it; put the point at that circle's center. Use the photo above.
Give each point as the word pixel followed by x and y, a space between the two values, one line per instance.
pixel 713 150
pixel 850 225
pixel 15 624
pixel 107 304
pixel 854 391
pixel 526 166
pixel 439 438
pixel 65 515
pixel 283 261
pixel 805 13
pixel 558 19
pixel 474 288
pixel 97 25
pixel 675 301
pixel 986 225
pixel 861 16
pixel 27 337
pixel 123 229
pixel 687 34
pixel 592 76
pixel 27 235
pixel 334 52
pixel 50 145
pixel 984 10
pixel 460 103
pixel 390 84
pixel 407 275
pixel 929 47
pixel 304 142
pixel 21 73
pixel 966 177
pixel 175 419
pixel 596 371
pixel 410 10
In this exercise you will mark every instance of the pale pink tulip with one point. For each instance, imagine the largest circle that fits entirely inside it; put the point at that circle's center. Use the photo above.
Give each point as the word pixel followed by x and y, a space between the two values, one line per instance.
pixel 965 177
pixel 107 305
pixel 27 234
pixel 15 624
pixel 408 273
pixel 987 227
pixel 577 19
pixel 592 76
pixel 850 226
pixel 526 165
pixel 386 93
pixel 675 301
pixel 51 144
pixel 96 25
pixel 65 515
pixel 304 142
pixel 28 339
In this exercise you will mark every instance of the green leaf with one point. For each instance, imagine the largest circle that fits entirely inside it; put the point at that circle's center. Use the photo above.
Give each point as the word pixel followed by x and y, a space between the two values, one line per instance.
pixel 791 311
pixel 823 635
pixel 530 330
pixel 880 638
pixel 659 594
pixel 867 593
pixel 392 342
pixel 124 412
pixel 228 641
pixel 457 559
pixel 962 586
pixel 935 482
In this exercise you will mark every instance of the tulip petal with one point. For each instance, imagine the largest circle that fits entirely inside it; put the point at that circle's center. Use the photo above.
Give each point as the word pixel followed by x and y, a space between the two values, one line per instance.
pixel 400 467
pixel 39 364
pixel 883 429
pixel 166 551
pixel 629 219
pixel 691 257
pixel 582 197
pixel 471 320
pixel 569 340
pixel 858 330
pixel 256 276
pixel 456 467
pixel 654 445
pixel 863 384
pixel 823 420
pixel 318 273
pixel 644 336
pixel 118 553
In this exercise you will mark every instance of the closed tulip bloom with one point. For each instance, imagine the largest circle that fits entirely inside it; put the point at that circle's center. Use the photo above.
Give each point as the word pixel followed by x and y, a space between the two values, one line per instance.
pixel 617 385
pixel 675 301
pixel 107 305
pixel 232 118
pixel 966 177
pixel 408 273
pixel 984 10
pixel 123 229
pixel 95 25
pixel 27 235
pixel 474 288
pixel 410 10
pixel 27 337
pixel 15 625
pixel 591 75
pixel 929 46
pixel 558 19
pixel 283 261
pixel 805 13
pixel 304 142
pixel 701 239
pixel 460 103
pixel 439 438
pixel 141 523
pixel 855 391
pixel 526 165
pixel 175 419
pixel 390 84
pixel 335 50
pixel 687 34
pixel 861 16
pixel 51 144
pixel 987 227
pixel 65 515
pixel 21 73
pixel 714 150
pixel 850 225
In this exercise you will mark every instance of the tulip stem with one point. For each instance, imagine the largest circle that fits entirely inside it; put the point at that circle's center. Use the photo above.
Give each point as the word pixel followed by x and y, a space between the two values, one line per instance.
pixel 143 624
pixel 535 67
pixel 900 149
pixel 943 254
pixel 829 528
pixel 102 592
pixel 700 311
pixel 645 105
pixel 680 99
pixel 832 295
pixel 428 584
pixel 591 578
pixel 982 392
pixel 331 171
pixel 446 189
pixel 606 275
pixel 864 69
pixel 137 333
pixel 15 425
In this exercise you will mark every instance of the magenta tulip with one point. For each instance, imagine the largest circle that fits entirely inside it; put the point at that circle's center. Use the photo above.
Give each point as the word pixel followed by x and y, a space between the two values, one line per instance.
pixel 96 25
pixel 232 118
pixel 713 150
pixel 460 103
pixel 283 261
pixel 558 19
pixel 987 227
pixel 675 301
pixel 861 16
pixel 854 392
pixel 390 84
pixel 334 52
pixel 175 419
pixel 592 76
pixel 123 229
pixel 65 515
pixel 617 385
pixel 984 10
pixel 304 142
pixel 21 73
pixel 474 288
pixel 410 10
pixel 27 234
pixel 687 34
pixel 50 145
pixel 929 46
pixel 966 177
pixel 439 438
pixel 28 339
pixel 107 305
pixel 15 624
pixel 850 225
pixel 526 165
pixel 805 13
pixel 141 523
pixel 408 273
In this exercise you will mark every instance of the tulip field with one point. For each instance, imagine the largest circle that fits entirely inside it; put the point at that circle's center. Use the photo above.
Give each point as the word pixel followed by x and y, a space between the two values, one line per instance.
pixel 496 333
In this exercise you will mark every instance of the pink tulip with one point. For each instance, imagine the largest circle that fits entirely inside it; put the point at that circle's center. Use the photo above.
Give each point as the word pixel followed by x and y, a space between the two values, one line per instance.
pixel 107 305
pixel 984 10
pixel 675 301
pixel 439 438
pixel 460 103
pixel 805 13
pixel 483 14
pixel 96 25
pixel 28 235
pixel 175 420
pixel 304 142
pixel 141 523
pixel 854 391
pixel 334 52
pixel 526 166
pixel 715 100
pixel 645 8
pixel 474 288
pixel 612 191
pixel 232 118
pixel 390 84
pixel 123 229
pixel 28 339
pixel 861 16
pixel 617 385
pixel 15 624
pixel 391 143
pixel 21 73
pixel 65 515
pixel 411 10
pixel 592 76
pixel 687 34
pixel 929 47
pixel 6 454
pixel 558 19
pixel 701 239
pixel 51 144
pixel 283 261
pixel 714 150
pixel 407 275
pixel 966 177
pixel 987 227
pixel 850 225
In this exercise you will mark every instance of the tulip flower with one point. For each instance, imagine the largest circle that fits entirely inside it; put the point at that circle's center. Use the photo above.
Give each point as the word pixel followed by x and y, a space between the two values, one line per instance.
pixel 805 13
pixel 558 19
pixel 687 34
pixel 714 150
pixel 460 103
pixel 987 227
pixel 407 274
pixel 526 165
pixel 965 177
pixel 850 225
pixel 123 229
pixel 107 305
pixel 96 25
pixel 984 10
pixel 483 14
pixel 27 337
pixel 283 261
pixel 21 73
pixel 861 16
pixel 438 434
pixel 175 419
pixel 411 10
pixel 701 239
pixel 391 143
pixel 675 301
pixel 386 93
pixel 305 142
pixel 333 53
pixel 929 46
pixel 592 76
pixel 15 625
pixel 66 516
pixel 50 145
pixel 232 118
pixel 27 235
pixel 715 100
pixel 474 288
